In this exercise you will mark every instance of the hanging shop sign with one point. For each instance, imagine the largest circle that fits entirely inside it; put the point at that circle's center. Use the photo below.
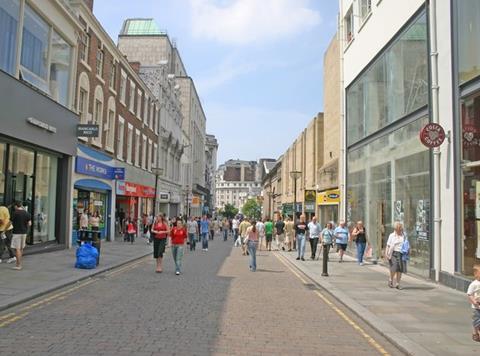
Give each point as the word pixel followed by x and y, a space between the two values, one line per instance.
pixel 328 197
pixel 134 190
pixel 310 195
pixel 87 130
pixel 195 201
pixel 309 207
pixel 432 135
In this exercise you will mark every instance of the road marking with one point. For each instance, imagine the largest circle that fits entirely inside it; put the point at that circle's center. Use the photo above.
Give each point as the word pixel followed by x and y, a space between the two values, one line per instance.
pixel 9 318
pixel 327 301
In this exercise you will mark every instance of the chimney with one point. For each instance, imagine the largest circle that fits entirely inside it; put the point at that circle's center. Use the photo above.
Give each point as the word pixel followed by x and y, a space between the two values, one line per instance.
pixel 89 4
pixel 135 66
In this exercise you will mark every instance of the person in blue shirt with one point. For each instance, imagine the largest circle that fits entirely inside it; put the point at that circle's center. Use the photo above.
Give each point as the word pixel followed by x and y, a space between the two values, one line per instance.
pixel 204 231
pixel 341 238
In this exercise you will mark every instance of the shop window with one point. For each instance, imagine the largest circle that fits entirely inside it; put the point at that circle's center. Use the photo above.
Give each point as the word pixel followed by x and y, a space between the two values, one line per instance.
pixel 348 23
pixel 468 35
pixel 99 62
pixel 9 15
pixel 45 194
pixel 389 180
pixel 471 182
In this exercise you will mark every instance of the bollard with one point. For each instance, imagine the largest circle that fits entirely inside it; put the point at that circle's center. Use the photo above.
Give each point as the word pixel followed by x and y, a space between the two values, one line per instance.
pixel 326 249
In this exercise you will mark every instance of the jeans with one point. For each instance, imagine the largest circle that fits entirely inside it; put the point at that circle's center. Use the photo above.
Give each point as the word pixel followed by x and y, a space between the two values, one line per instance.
pixel 252 250
pixel 360 251
pixel 313 246
pixel 225 235
pixel 192 240
pixel 235 235
pixel 177 252
pixel 204 240
pixel 301 245
pixel 212 234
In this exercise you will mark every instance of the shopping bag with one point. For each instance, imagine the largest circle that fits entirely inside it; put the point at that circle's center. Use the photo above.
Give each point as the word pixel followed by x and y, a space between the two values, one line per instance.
pixel 86 256
pixel 368 252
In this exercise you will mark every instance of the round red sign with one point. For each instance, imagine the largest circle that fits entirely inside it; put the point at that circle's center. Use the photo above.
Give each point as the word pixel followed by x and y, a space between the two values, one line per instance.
pixel 432 135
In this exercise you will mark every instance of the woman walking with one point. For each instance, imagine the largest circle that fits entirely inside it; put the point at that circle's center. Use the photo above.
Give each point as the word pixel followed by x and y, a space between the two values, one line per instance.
pixel 160 231
pixel 178 235
pixel 360 237
pixel 393 252
pixel 251 240
pixel 226 227
pixel 6 229
pixel 327 239
pixel 301 229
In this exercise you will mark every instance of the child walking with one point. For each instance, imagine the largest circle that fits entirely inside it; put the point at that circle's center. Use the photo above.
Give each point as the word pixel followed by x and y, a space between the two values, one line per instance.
pixel 473 293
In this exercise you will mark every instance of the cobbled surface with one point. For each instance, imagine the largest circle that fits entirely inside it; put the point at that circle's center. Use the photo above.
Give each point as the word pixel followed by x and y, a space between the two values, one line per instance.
pixel 217 307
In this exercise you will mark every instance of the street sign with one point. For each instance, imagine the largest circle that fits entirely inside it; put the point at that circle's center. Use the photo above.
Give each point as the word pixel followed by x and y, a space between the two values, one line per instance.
pixel 119 173
pixel 87 130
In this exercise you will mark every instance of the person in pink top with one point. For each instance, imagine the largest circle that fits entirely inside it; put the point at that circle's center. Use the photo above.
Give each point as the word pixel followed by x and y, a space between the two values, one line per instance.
pixel 252 242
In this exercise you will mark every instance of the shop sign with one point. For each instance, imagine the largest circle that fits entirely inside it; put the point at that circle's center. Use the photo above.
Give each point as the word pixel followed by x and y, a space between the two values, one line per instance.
pixel 94 169
pixel 195 201
pixel 309 207
pixel 134 190
pixel 164 197
pixel 310 196
pixel 87 130
pixel 432 135
pixel 328 197
pixel 42 125
pixel 470 136
pixel 119 173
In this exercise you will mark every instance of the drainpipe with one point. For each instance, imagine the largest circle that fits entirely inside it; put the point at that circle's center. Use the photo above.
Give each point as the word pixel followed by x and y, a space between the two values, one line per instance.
pixel 343 157
pixel 437 219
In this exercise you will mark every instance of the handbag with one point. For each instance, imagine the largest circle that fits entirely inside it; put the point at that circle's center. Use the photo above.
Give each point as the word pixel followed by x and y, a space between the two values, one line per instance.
pixel 369 252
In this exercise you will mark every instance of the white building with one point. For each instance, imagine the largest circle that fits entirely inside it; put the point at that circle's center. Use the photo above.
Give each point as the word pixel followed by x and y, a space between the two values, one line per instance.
pixel 406 64
pixel 211 150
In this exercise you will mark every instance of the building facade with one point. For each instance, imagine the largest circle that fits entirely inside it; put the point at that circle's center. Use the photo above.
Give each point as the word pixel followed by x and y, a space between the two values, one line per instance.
pixel 272 189
pixel 236 183
pixel 398 78
pixel 111 94
pixel 211 149
pixel 38 49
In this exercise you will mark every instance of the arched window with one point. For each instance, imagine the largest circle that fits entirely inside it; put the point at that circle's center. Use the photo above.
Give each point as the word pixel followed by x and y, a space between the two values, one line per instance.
pixel 109 127
pixel 82 97
pixel 98 114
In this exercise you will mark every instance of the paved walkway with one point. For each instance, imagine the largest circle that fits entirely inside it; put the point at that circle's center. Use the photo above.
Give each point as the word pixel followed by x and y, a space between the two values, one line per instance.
pixel 216 307
pixel 45 272
pixel 423 318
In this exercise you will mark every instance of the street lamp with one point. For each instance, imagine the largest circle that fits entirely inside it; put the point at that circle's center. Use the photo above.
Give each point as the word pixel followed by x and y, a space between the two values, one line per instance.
pixel 295 175
pixel 158 172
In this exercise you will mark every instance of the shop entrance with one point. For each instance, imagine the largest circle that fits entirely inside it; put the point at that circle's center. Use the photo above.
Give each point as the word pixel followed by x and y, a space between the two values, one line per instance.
pixel 89 202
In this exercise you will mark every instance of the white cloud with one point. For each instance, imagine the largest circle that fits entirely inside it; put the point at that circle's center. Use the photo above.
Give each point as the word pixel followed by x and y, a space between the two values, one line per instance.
pixel 247 21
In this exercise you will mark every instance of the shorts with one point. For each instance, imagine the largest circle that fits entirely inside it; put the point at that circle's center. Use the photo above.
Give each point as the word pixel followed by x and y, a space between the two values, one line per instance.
pixel 18 241
pixel 159 247
pixel 476 318
pixel 342 247
pixel 268 237
pixel 280 237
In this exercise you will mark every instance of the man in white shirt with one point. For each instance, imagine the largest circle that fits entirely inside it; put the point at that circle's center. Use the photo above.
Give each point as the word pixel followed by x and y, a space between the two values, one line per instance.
pixel 235 226
pixel 261 233
pixel 314 229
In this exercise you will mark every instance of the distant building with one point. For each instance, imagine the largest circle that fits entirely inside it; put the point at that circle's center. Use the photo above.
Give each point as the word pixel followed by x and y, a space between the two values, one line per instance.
pixel 237 181
pixel 211 149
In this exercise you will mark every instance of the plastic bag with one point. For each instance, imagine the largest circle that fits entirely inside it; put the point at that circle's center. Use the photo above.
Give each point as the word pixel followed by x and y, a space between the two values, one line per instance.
pixel 86 257
pixel 368 252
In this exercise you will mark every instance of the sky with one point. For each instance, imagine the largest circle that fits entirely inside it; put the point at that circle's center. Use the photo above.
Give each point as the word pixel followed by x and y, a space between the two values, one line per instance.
pixel 257 64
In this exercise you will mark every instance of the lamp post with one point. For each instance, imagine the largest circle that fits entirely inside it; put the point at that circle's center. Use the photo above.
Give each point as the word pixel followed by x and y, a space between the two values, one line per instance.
pixel 295 175
pixel 158 172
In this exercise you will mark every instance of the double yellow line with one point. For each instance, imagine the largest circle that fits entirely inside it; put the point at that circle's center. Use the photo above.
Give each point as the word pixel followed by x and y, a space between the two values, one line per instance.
pixel 332 306
pixel 12 317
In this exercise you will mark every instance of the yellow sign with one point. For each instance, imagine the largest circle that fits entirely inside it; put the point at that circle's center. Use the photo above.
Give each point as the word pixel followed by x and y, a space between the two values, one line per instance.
pixel 328 197
pixel 195 201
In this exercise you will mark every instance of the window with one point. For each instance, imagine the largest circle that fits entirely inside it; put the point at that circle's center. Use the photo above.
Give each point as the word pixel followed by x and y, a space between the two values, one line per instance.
pixel 149 155
pixel 137 148
pixel 129 143
pixel 145 110
pixel 139 104
pixel 155 155
pixel 98 119
pixel 152 112
pixel 120 136
pixel 82 105
pixel 110 127
pixel 348 23
pixel 9 15
pixel 392 87
pixel 99 65
pixel 113 75
pixel 60 69
pixel 157 120
pixel 45 57
pixel 365 9
pixel 123 88
pixel 84 46
pixel 468 34
pixel 144 152
pixel 131 104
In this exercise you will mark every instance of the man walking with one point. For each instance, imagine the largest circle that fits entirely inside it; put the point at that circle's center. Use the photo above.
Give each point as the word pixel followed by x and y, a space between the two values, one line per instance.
pixel 261 233
pixel 279 231
pixel 242 229
pixel 314 229
pixel 21 222
pixel 204 231
pixel 235 227
pixel 301 229
pixel 192 228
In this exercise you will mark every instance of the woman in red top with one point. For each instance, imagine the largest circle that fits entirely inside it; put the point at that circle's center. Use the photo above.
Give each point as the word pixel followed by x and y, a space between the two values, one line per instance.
pixel 160 231
pixel 179 235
